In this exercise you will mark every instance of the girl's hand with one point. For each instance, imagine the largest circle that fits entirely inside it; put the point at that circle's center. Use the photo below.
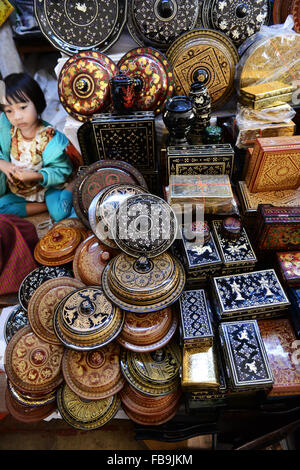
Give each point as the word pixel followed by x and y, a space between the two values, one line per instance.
pixel 27 176
pixel 7 168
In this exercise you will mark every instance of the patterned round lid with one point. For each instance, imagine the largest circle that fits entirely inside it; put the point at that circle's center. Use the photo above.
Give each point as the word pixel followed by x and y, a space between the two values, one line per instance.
pixel 37 277
pixel 103 209
pixel 143 285
pixel 43 303
pixel 206 55
pixel 238 19
pixel 98 176
pixel 90 259
pixel 85 414
pixel 271 58
pixel 93 375
pixel 144 225
pixel 58 246
pixel 76 26
pixel 33 365
pixel 158 23
pixel 16 320
pixel 87 320
pixel 83 84
pixel 152 70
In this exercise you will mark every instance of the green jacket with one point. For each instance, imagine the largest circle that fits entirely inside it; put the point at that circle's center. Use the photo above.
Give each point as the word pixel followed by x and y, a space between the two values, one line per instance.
pixel 56 163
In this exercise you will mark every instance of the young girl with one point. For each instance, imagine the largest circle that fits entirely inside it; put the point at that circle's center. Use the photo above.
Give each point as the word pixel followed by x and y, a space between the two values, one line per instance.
pixel 34 165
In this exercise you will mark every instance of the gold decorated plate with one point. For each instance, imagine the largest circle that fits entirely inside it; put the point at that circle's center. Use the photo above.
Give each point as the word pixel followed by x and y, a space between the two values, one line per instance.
pixel 86 319
pixel 32 365
pixel 138 338
pixel 58 246
pixel 207 56
pixel 98 176
pixel 133 289
pixel 90 259
pixel 93 375
pixel 152 68
pixel 273 58
pixel 83 414
pixel 103 208
pixel 43 303
pixel 84 84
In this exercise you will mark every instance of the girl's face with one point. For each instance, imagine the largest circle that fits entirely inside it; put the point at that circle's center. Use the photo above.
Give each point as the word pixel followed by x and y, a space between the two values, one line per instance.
pixel 21 115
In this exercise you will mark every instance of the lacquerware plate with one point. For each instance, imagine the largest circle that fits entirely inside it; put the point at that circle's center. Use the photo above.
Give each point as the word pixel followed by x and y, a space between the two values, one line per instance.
pixel 17 319
pixel 76 26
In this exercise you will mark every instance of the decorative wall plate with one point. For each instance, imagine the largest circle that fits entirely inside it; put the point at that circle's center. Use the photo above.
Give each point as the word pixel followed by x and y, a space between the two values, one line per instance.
pixel 93 375
pixel 32 365
pixel 158 23
pixel 128 285
pixel 16 319
pixel 148 332
pixel 85 414
pixel 25 413
pixel 76 26
pixel 87 320
pixel 34 279
pixel 102 209
pixel 206 56
pixel 144 225
pixel 281 10
pixel 153 70
pixel 58 246
pixel 90 259
pixel 98 176
pixel 273 58
pixel 238 19
pixel 83 84
pixel 42 306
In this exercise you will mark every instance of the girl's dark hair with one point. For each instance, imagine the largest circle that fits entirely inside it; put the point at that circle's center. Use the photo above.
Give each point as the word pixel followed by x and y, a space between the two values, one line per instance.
pixel 20 87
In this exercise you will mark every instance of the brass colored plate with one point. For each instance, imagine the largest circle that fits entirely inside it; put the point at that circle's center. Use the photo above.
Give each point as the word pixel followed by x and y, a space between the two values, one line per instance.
pixel 42 305
pixel 93 375
pixel 206 56
pixel 32 365
pixel 83 414
pixel 84 84
pixel 136 293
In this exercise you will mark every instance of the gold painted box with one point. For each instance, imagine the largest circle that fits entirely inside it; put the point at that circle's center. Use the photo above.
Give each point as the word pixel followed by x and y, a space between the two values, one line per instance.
pixel 130 138
pixel 237 255
pixel 195 316
pixel 247 363
pixel 200 260
pixel 257 294
pixel 217 159
pixel 264 95
pixel 200 369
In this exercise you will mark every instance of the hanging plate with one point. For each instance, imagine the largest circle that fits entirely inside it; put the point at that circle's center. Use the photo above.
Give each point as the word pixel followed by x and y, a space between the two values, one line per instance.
pixel 32 365
pixel 58 246
pixel 83 84
pixel 103 207
pixel 144 225
pixel 93 375
pixel 238 19
pixel 34 279
pixel 98 176
pixel 42 305
pixel 14 322
pixel 90 259
pixel 77 26
pixel 85 414
pixel 128 285
pixel 152 70
pixel 158 23
pixel 206 56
